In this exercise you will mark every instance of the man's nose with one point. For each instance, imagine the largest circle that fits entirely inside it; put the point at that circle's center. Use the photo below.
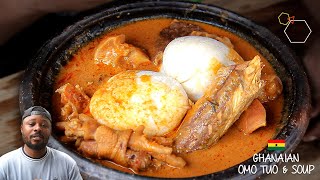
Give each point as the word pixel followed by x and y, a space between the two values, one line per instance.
pixel 37 127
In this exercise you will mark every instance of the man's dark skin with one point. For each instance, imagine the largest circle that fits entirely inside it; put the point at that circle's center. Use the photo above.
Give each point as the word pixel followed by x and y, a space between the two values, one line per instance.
pixel 35 130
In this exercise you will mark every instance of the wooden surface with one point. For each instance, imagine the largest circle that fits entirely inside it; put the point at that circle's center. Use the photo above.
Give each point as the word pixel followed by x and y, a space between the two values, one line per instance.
pixel 10 137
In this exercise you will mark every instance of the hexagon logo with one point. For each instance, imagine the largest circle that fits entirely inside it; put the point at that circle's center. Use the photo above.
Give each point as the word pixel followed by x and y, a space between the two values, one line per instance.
pixel 281 17
pixel 296 36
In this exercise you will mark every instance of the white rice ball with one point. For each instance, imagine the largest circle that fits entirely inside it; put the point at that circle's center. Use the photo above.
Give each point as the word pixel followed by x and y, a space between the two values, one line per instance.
pixel 194 62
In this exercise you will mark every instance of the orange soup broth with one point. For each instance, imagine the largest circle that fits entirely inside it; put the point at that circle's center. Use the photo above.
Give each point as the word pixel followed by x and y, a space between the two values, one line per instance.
pixel 233 148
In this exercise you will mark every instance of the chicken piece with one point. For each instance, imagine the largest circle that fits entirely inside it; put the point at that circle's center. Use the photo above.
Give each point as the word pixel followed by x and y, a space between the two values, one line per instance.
pixel 74 99
pixel 71 134
pixel 108 144
pixel 89 148
pixel 127 149
pixel 272 89
pixel 85 127
pixel 252 118
pixel 157 164
pixel 222 104
pixel 61 126
pixel 72 128
pixel 223 39
pixel 82 126
pixel 66 139
pixel 112 144
pixel 163 141
pixel 89 127
pixel 114 51
pixel 138 161
pixel 69 111
pixel 74 95
pixel 170 159
pixel 138 141
pixel 103 142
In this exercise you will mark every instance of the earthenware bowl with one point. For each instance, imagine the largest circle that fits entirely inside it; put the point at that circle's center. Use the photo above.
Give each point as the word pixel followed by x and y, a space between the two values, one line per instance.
pixel 37 85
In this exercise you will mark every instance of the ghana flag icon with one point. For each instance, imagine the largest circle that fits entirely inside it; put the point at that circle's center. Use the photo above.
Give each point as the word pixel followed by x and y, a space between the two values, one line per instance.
pixel 279 145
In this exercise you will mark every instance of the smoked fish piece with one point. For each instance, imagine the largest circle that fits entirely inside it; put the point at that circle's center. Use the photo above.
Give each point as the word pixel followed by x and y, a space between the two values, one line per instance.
pixel 222 104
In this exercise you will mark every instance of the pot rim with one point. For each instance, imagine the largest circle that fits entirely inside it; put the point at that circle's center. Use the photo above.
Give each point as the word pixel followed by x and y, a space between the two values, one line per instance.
pixel 292 132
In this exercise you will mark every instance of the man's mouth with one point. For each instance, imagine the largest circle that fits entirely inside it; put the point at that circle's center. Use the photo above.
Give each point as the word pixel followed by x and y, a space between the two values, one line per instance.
pixel 37 137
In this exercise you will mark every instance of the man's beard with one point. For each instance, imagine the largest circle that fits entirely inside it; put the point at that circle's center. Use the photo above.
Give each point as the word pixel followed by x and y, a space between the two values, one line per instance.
pixel 37 146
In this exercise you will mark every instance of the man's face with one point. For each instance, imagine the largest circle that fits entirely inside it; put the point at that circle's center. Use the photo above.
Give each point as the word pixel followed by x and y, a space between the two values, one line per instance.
pixel 35 130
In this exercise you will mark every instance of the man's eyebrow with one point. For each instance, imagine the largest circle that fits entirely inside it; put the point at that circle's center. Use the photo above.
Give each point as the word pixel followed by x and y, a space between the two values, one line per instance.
pixel 30 120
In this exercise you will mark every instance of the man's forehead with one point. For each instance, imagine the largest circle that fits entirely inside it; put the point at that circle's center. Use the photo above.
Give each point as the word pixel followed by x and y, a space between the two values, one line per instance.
pixel 36 117
pixel 36 110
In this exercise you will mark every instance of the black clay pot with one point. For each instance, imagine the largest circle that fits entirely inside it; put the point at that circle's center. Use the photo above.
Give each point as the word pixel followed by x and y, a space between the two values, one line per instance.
pixel 36 87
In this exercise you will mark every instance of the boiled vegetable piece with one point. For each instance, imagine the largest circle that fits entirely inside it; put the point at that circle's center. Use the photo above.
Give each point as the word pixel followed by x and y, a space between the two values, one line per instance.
pixel 252 118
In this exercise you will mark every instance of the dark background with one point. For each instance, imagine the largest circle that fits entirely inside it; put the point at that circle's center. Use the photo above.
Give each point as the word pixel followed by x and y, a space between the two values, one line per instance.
pixel 17 52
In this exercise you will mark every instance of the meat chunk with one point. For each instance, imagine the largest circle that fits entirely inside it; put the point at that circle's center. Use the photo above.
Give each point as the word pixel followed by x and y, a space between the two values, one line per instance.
pixel 112 144
pixel 74 99
pixel 127 147
pixel 114 51
pixel 89 127
pixel 212 115
pixel 138 160
pixel 107 144
pixel 178 29
pixel 272 89
pixel 75 95
pixel 138 141
pixel 163 140
pixel 170 159
pixel 175 30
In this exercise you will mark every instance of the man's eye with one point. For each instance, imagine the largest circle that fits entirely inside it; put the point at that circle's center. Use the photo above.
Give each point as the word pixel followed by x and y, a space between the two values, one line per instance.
pixel 45 125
